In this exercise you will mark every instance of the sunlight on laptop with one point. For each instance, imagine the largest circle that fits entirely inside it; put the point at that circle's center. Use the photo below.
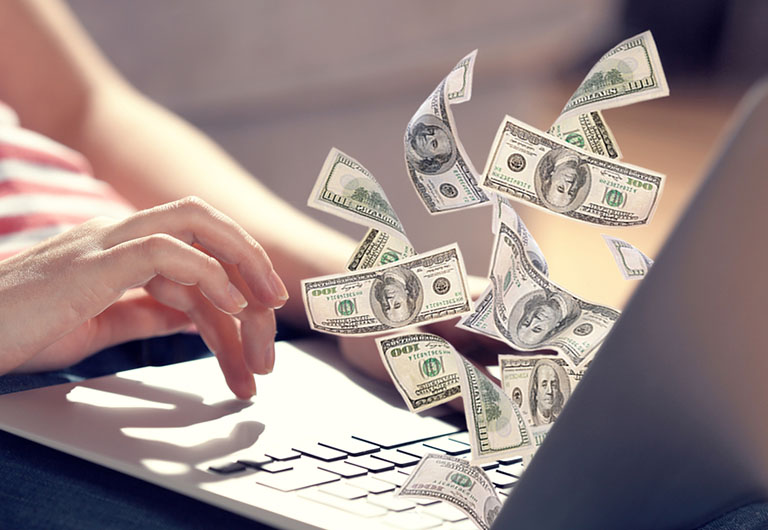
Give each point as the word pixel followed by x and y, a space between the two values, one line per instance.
pixel 165 467
pixel 186 436
pixel 100 398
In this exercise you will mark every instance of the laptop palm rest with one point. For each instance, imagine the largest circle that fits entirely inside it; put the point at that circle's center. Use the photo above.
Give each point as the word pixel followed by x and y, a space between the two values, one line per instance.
pixel 668 428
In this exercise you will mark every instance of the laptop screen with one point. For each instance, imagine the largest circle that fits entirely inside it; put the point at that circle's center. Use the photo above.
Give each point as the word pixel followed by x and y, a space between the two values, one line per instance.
pixel 666 429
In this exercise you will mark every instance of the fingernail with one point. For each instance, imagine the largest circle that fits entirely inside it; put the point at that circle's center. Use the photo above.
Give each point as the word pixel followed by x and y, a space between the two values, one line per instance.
pixel 278 287
pixel 253 386
pixel 237 296
pixel 269 362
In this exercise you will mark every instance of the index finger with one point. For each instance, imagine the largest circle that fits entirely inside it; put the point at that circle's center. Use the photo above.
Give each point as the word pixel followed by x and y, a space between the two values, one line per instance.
pixel 193 221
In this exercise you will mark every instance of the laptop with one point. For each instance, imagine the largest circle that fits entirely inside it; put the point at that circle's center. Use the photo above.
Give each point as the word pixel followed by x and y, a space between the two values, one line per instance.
pixel 666 430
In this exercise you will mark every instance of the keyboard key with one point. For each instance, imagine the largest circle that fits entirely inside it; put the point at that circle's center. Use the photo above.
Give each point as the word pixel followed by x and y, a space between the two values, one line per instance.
pixel 342 469
pixel 351 446
pixel 345 491
pixel 500 480
pixel 466 524
pixel 359 507
pixel 276 467
pixel 418 450
pixel 446 512
pixel 461 437
pixel 320 452
pixel 255 460
pixel 390 502
pixel 412 520
pixel 397 458
pixel 372 485
pixel 296 479
pixel 511 460
pixel 489 465
pixel 516 470
pixel 423 501
pixel 282 454
pixel 393 477
pixel 227 468
pixel 448 446
pixel 371 464
pixel 391 438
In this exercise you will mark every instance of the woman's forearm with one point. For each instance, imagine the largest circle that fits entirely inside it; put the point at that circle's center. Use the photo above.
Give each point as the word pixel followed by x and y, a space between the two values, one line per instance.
pixel 152 156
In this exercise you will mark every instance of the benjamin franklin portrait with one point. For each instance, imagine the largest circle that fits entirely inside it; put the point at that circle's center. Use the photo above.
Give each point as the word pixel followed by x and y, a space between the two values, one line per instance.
pixel 429 145
pixel 491 509
pixel 562 180
pixel 539 315
pixel 537 260
pixel 549 388
pixel 396 297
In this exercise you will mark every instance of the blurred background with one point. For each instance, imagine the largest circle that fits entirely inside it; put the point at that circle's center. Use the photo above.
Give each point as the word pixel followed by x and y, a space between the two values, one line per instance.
pixel 278 83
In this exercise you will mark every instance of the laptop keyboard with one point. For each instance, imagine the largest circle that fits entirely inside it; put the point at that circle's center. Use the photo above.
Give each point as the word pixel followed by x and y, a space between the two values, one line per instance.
pixel 361 476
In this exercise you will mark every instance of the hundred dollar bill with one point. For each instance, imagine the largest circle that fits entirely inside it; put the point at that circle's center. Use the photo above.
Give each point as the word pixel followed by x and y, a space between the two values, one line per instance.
pixel 632 263
pixel 532 313
pixel 496 426
pixel 437 163
pixel 540 385
pixel 458 82
pixel 481 319
pixel 455 481
pixel 423 368
pixel 497 200
pixel 531 166
pixel 346 189
pixel 379 248
pixel 589 132
pixel 423 288
pixel 629 72
pixel 503 211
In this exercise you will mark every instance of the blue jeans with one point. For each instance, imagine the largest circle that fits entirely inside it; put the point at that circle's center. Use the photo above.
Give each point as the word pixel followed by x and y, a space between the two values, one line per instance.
pixel 41 488
pixel 750 517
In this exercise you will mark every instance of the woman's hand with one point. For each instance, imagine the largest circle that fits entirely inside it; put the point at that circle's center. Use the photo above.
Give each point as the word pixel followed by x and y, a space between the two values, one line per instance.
pixel 73 295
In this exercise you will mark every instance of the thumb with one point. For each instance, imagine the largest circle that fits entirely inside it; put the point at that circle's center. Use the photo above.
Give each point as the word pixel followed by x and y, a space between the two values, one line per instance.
pixel 135 316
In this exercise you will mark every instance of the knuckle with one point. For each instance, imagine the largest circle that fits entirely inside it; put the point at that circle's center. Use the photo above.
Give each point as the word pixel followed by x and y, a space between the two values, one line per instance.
pixel 214 267
pixel 193 203
pixel 156 243
pixel 258 249
pixel 96 227
pixel 100 221
pixel 256 255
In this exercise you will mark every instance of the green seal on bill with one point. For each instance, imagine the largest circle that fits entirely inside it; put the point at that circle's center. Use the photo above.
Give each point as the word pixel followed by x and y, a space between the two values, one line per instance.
pixel 576 139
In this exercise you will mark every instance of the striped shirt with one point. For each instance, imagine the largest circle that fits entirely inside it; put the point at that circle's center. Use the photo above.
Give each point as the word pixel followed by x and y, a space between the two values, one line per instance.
pixel 45 188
